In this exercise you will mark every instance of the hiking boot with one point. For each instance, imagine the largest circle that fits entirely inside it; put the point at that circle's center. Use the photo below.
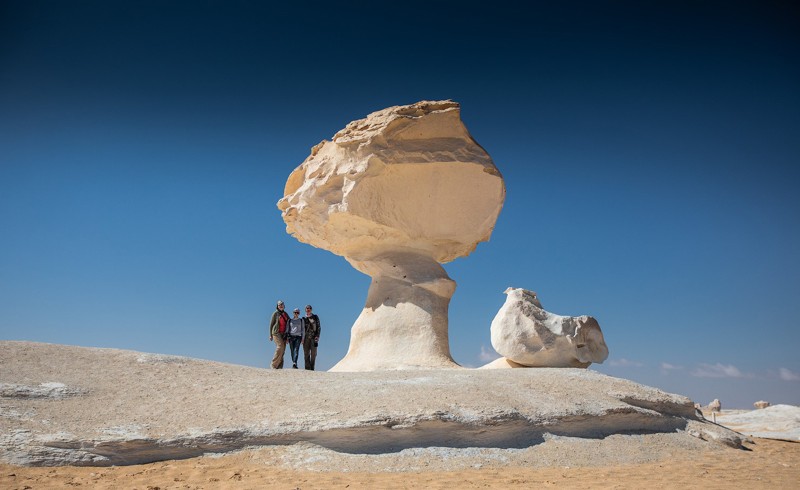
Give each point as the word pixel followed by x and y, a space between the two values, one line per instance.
pixel 294 366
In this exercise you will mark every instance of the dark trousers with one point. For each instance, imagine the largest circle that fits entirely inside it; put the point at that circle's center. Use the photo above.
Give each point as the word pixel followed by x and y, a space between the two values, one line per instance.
pixel 310 351
pixel 294 347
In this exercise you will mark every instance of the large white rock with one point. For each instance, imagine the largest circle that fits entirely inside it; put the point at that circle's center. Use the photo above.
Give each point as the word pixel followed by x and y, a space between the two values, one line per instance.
pixel 396 194
pixel 126 407
pixel 527 335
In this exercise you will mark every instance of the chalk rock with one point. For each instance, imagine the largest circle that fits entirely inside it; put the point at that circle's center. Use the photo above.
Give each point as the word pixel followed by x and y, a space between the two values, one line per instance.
pixel 43 390
pixel 502 363
pixel 526 334
pixel 761 404
pixel 396 194
pixel 715 406
pixel 120 417
pixel 780 422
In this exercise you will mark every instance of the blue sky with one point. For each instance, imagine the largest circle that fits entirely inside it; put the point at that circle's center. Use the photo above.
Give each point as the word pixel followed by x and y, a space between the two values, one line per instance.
pixel 650 152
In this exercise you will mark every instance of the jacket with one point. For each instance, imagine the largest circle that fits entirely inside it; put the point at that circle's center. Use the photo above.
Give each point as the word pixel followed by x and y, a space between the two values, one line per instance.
pixel 313 326
pixel 275 324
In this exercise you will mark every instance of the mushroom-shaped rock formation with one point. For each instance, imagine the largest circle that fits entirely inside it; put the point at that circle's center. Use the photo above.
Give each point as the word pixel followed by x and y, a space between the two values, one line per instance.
pixel 396 194
pixel 528 336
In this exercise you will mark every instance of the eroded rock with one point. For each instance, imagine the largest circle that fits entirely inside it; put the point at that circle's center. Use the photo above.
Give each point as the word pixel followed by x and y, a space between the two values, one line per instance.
pixel 774 422
pixel 215 408
pixel 43 390
pixel 396 194
pixel 527 335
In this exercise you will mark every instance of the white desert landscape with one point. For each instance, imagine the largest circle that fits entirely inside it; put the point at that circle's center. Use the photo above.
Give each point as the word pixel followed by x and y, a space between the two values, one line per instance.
pixel 394 194
pixel 109 418
pixel 536 244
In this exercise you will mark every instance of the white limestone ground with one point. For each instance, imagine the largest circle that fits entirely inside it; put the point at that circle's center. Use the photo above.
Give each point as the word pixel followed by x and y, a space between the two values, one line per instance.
pixel 774 422
pixel 126 407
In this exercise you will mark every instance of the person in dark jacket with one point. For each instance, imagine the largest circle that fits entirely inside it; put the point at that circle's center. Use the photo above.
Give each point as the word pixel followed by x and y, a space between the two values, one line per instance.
pixel 313 329
pixel 277 333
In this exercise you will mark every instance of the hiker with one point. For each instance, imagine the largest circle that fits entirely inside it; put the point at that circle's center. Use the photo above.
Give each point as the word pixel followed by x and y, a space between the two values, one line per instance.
pixel 296 332
pixel 310 343
pixel 277 333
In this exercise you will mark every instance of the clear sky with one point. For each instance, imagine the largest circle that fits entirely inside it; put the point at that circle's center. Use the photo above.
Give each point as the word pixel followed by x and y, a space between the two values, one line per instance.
pixel 651 153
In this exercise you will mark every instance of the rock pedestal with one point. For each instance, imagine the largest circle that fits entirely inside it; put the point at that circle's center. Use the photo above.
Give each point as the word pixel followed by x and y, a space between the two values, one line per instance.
pixel 404 321
pixel 397 194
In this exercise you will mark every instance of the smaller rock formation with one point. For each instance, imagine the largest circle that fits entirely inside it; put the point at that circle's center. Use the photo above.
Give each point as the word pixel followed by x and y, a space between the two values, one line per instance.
pixel 528 336
pixel 715 406
pixel 761 404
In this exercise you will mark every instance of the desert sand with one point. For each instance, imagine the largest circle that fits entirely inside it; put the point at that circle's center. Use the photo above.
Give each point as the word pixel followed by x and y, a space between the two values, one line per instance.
pixel 765 464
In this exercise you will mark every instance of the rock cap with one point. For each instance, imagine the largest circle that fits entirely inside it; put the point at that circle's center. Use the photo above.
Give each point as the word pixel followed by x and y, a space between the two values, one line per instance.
pixel 404 178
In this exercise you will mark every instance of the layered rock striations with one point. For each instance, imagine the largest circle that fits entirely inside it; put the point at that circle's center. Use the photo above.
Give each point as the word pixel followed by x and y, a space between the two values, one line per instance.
pixel 125 407
pixel 529 336
pixel 397 194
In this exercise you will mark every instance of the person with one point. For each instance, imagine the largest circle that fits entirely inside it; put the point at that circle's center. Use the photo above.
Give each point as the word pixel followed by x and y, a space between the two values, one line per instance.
pixel 277 333
pixel 296 332
pixel 313 329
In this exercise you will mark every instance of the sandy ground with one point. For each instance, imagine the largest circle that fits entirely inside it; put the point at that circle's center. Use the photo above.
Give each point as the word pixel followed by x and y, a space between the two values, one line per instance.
pixel 766 464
